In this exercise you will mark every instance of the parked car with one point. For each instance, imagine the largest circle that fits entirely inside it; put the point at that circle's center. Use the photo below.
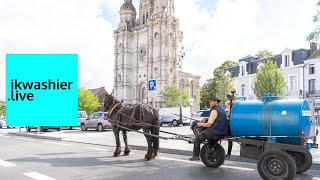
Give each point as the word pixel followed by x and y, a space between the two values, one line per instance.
pixel 204 113
pixel 98 120
pixel 172 116
pixel 43 128
pixel 3 124
pixel 82 115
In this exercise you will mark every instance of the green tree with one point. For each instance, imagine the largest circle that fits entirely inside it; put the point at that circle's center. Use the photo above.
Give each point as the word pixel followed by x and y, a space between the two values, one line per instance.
pixel 87 101
pixel 171 96
pixel 219 85
pixel 263 53
pixel 2 109
pixel 269 79
pixel 314 35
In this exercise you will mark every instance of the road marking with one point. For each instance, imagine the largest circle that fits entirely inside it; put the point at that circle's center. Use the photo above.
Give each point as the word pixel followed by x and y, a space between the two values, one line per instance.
pixel 57 143
pixel 37 176
pixel 193 162
pixel 98 149
pixel 6 163
pixel 28 139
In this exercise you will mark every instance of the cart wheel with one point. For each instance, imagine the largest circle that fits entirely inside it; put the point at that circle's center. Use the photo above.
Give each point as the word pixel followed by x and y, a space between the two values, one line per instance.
pixel 212 157
pixel 303 161
pixel 197 130
pixel 275 164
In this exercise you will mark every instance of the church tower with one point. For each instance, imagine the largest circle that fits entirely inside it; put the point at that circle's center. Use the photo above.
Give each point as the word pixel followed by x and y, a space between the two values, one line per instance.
pixel 146 47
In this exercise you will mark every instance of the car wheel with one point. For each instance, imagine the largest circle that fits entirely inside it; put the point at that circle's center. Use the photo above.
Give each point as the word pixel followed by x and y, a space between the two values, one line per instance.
pixel 69 127
pixel 83 127
pixel 175 123
pixel 0 126
pixel 100 128
pixel 59 129
pixel 28 128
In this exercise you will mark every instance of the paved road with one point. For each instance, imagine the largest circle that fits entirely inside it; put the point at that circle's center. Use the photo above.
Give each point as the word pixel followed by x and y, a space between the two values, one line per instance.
pixel 26 159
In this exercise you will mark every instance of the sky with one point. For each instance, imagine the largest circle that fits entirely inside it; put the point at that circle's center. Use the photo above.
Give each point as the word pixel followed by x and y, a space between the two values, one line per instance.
pixel 214 31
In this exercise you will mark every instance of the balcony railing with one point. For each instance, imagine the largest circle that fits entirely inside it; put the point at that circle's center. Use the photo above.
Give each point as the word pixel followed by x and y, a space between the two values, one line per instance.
pixel 315 93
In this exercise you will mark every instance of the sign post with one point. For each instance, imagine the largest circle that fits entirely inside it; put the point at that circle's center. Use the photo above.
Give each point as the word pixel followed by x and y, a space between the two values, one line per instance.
pixel 152 87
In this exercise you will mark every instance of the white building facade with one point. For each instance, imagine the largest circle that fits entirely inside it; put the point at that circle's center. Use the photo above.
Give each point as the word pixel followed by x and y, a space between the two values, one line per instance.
pixel 149 47
pixel 291 64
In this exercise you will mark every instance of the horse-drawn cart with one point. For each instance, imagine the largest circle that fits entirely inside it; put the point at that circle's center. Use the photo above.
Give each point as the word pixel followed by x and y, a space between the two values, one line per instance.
pixel 276 133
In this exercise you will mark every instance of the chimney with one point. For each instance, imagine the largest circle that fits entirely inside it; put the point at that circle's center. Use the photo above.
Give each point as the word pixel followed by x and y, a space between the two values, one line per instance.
pixel 313 47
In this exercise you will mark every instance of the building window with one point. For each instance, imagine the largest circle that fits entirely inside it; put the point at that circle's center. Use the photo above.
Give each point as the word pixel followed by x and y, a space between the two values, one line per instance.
pixel 312 86
pixel 286 60
pixel 293 83
pixel 143 20
pixel 147 17
pixel 191 90
pixel 242 71
pixel 311 69
pixel 119 78
pixel 243 89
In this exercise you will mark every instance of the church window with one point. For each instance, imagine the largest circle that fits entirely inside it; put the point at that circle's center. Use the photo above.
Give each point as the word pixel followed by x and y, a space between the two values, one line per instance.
pixel 144 75
pixel 119 78
pixel 143 20
pixel 147 17
pixel 156 35
pixel 143 93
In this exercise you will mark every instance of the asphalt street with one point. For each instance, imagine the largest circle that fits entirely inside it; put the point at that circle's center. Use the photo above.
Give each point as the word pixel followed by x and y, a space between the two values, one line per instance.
pixel 23 158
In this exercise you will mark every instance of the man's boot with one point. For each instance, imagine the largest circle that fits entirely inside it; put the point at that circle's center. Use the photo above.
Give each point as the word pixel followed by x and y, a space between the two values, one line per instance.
pixel 194 158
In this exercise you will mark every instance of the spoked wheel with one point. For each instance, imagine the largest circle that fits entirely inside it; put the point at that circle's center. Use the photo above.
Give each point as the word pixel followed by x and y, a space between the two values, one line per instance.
pixel 212 156
pixel 303 161
pixel 275 164
pixel 197 130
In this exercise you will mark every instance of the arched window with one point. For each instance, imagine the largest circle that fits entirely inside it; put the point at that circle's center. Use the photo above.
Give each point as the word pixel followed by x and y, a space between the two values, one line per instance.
pixel 156 35
pixel 119 78
pixel 144 96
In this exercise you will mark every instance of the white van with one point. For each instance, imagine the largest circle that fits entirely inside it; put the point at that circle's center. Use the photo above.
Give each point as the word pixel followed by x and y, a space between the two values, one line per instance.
pixel 172 116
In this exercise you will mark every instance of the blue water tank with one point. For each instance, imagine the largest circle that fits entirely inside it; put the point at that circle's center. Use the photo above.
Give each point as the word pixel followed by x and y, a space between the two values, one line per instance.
pixel 284 119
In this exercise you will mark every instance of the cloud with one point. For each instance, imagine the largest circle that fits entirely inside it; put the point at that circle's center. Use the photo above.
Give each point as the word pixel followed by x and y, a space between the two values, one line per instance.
pixel 50 26
pixel 228 29
pixel 236 28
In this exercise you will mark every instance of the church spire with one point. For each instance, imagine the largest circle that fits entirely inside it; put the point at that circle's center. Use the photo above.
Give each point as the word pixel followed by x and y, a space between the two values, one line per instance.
pixel 127 14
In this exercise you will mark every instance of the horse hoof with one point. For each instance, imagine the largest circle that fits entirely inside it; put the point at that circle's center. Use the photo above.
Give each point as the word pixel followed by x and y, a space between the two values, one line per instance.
pixel 126 153
pixel 154 155
pixel 116 154
pixel 147 157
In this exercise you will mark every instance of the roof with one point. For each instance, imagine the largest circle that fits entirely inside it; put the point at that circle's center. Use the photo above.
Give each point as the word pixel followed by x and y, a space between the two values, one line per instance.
pixel 95 91
pixel 315 55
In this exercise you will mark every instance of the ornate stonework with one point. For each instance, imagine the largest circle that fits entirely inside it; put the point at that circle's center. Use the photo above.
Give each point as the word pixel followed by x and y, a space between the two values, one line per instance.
pixel 148 48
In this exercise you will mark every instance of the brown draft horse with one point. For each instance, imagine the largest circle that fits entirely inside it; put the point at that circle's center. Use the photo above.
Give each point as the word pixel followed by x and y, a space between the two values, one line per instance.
pixel 138 117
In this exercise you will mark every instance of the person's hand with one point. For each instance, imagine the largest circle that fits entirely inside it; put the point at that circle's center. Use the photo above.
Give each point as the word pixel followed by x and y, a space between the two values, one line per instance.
pixel 199 124
pixel 203 120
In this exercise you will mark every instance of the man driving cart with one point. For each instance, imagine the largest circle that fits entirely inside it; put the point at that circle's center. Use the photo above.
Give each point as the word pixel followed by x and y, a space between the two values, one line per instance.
pixel 216 124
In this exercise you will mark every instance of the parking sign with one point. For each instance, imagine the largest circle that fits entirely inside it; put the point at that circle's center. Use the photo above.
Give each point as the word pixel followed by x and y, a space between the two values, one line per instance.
pixel 152 85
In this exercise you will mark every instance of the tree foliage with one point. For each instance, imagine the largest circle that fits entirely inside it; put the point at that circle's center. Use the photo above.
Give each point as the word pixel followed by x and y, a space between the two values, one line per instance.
pixel 219 85
pixel 314 35
pixel 269 79
pixel 171 96
pixel 2 109
pixel 264 53
pixel 87 101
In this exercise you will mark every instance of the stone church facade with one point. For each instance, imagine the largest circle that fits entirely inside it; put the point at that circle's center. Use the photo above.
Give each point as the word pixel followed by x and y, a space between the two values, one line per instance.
pixel 149 47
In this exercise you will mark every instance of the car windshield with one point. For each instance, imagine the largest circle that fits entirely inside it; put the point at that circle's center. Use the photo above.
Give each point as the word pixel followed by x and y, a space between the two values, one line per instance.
pixel 199 113
pixel 82 115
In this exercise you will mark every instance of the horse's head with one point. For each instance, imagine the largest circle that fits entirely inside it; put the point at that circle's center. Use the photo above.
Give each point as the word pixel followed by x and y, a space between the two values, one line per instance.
pixel 109 101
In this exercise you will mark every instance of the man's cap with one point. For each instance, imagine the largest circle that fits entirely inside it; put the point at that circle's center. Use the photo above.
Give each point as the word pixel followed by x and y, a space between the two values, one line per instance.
pixel 214 98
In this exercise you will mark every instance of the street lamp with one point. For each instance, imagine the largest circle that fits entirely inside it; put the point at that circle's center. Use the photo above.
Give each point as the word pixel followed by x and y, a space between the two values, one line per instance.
pixel 180 67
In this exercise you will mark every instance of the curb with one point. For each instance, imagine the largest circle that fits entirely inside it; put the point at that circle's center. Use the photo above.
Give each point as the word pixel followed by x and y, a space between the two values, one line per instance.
pixel 34 136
